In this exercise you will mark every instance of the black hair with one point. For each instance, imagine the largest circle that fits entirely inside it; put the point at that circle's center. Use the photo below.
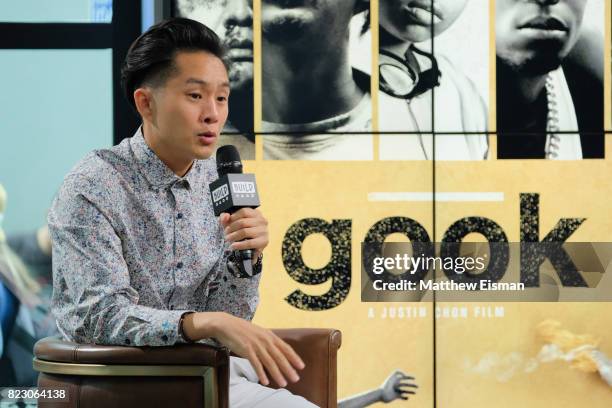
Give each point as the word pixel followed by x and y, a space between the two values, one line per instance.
pixel 150 59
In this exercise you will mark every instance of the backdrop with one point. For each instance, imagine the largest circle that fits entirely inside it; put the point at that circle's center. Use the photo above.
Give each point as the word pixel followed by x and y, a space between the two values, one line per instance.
pixel 336 156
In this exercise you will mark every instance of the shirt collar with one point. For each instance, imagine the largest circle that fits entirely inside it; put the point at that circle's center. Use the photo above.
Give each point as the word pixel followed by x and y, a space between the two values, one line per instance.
pixel 154 170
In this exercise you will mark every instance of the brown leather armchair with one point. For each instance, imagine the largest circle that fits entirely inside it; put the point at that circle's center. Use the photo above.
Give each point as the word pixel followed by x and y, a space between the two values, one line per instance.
pixel 189 375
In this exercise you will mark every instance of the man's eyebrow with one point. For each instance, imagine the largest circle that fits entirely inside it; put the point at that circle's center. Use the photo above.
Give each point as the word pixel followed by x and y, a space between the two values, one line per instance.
pixel 202 82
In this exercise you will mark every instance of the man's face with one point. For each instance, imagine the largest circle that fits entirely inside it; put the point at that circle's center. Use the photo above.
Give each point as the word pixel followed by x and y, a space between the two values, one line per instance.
pixel 232 20
pixel 190 109
pixel 290 20
pixel 534 36
pixel 411 20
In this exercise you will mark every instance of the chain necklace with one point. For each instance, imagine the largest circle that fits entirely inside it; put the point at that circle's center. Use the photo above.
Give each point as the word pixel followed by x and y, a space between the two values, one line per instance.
pixel 551 147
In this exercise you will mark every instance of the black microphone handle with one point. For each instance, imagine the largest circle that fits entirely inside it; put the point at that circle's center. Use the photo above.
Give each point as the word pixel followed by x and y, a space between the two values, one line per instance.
pixel 247 260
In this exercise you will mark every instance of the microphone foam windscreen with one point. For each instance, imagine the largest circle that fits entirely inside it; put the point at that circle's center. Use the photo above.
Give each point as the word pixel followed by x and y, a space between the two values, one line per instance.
pixel 228 160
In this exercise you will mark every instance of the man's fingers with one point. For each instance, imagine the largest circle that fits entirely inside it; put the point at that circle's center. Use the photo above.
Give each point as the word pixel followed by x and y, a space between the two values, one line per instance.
pixel 271 366
pixel 255 243
pixel 241 224
pixel 291 355
pixel 246 233
pixel 224 219
pixel 244 213
pixel 261 373
pixel 282 362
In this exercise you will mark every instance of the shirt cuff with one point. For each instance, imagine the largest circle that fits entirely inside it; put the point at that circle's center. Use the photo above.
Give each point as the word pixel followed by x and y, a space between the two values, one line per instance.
pixel 182 337
pixel 162 329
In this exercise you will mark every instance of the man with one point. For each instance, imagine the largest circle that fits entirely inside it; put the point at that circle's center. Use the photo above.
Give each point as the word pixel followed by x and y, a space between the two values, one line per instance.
pixel 138 256
pixel 232 20
pixel 309 87
pixel 540 91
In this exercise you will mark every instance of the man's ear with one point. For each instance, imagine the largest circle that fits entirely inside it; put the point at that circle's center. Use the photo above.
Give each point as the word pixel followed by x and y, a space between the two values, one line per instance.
pixel 145 103
pixel 361 5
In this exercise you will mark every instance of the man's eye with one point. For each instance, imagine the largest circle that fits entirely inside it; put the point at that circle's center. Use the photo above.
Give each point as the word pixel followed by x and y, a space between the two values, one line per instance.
pixel 222 98
pixel 195 95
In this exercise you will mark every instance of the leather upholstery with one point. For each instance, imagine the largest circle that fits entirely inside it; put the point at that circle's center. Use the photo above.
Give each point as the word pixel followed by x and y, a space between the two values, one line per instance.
pixel 141 391
pixel 317 347
pixel 120 392
pixel 53 349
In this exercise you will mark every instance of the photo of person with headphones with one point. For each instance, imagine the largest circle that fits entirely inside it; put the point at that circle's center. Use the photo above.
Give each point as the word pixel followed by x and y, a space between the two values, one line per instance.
pixel 421 90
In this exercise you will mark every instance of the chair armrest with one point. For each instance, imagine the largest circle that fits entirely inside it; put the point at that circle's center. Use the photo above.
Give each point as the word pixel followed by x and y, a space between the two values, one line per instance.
pixel 57 350
pixel 318 349
pixel 160 375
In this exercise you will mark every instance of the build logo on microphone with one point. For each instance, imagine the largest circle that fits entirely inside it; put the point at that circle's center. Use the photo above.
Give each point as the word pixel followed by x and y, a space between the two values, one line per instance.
pixel 243 187
pixel 220 194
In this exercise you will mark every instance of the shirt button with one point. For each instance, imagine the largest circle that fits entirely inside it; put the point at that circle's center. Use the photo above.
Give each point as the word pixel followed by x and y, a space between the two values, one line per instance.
pixel 179 216
pixel 179 265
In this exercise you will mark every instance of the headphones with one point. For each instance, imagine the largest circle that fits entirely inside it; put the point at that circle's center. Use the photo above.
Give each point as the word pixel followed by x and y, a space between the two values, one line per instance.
pixel 401 80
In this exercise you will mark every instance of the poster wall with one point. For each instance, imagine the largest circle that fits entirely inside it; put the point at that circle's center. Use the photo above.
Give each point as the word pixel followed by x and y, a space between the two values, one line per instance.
pixel 418 120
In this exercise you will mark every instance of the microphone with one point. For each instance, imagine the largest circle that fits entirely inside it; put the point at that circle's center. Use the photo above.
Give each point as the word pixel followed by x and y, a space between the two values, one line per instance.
pixel 232 191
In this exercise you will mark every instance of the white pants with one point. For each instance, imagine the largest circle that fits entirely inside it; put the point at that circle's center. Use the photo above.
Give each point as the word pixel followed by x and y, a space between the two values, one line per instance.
pixel 246 392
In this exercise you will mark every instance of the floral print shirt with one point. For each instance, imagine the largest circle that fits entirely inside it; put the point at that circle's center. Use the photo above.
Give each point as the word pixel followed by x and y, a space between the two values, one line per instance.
pixel 135 247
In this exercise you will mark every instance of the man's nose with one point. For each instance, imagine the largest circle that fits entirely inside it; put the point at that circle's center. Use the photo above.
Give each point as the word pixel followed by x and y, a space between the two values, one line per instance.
pixel 210 111
pixel 547 2
pixel 238 13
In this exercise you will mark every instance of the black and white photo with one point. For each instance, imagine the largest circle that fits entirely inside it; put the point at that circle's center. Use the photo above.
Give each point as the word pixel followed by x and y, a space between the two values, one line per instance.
pixel 422 89
pixel 312 96
pixel 549 79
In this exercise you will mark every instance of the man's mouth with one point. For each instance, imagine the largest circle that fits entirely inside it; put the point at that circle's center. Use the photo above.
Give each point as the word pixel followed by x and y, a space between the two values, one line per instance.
pixel 547 23
pixel 240 49
pixel 207 138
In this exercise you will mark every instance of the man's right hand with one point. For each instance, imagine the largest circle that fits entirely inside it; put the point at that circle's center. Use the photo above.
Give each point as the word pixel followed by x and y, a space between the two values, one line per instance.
pixel 266 352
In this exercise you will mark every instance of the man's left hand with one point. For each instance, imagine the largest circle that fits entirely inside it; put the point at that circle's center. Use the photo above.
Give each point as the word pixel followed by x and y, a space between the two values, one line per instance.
pixel 246 229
